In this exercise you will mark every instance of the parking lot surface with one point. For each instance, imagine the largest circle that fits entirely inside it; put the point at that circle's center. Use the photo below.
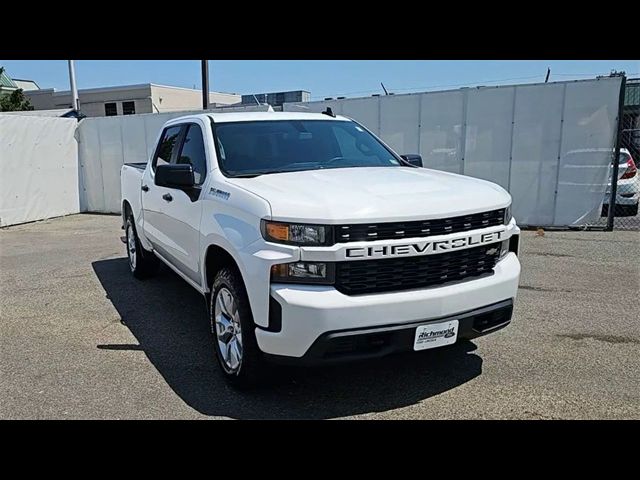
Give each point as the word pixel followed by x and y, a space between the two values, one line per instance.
pixel 81 338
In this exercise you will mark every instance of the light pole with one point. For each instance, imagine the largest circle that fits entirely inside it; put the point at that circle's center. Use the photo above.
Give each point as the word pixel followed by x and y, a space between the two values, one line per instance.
pixel 74 90
pixel 205 84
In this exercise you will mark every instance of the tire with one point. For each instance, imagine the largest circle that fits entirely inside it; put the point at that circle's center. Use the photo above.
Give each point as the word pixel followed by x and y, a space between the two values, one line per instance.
pixel 233 329
pixel 142 263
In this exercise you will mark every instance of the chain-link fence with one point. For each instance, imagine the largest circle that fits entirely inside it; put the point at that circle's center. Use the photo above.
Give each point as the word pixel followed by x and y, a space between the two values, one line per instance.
pixel 626 177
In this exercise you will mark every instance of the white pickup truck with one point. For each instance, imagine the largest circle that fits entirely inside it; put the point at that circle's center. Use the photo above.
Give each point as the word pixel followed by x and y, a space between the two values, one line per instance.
pixel 314 242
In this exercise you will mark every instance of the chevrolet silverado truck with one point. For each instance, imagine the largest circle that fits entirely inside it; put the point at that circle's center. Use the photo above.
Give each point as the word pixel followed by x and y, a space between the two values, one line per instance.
pixel 313 242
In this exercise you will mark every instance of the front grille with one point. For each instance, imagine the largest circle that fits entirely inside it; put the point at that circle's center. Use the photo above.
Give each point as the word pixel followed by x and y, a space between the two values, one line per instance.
pixel 388 275
pixel 366 232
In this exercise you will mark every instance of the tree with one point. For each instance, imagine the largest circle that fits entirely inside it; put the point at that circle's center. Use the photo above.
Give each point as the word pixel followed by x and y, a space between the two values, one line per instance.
pixel 15 101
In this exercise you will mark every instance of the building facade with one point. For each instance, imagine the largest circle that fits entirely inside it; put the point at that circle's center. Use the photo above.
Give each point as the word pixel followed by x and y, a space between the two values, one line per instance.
pixel 8 85
pixel 276 99
pixel 129 99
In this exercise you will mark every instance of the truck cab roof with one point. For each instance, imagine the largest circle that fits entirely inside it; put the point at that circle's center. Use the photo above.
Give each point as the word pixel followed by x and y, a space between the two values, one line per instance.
pixel 257 117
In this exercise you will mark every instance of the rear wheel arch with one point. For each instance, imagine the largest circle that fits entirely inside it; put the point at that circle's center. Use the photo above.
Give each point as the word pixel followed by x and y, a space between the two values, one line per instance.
pixel 126 211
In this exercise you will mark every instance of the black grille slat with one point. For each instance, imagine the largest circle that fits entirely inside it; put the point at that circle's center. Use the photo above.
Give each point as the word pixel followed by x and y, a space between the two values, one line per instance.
pixel 404 273
pixel 368 232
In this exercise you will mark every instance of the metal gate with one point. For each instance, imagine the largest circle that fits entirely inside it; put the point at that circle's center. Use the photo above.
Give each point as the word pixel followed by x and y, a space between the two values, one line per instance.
pixel 623 190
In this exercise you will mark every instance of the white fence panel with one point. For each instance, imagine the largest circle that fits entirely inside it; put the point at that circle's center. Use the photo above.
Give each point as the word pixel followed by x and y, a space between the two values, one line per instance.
pixel 536 152
pixel 363 110
pixel 400 122
pixel 488 134
pixel 441 130
pixel 38 168
pixel 588 137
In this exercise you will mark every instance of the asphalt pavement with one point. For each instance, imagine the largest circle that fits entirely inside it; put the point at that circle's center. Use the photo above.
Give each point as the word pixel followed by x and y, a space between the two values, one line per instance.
pixel 81 338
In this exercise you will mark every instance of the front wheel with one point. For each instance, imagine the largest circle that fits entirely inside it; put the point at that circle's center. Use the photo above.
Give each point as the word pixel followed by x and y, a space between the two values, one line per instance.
pixel 232 324
pixel 142 263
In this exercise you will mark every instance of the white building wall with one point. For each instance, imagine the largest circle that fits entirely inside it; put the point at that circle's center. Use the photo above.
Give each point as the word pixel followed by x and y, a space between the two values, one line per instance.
pixel 148 98
pixel 173 99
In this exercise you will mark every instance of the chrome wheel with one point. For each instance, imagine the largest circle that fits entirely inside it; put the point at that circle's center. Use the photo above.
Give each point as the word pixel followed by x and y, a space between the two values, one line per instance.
pixel 131 247
pixel 228 330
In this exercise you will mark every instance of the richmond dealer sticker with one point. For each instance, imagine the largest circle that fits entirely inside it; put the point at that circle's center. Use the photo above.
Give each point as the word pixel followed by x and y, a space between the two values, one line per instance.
pixel 436 335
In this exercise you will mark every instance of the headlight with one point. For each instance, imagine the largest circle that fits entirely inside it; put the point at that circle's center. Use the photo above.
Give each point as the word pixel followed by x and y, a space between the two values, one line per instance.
pixel 296 233
pixel 507 215
pixel 303 272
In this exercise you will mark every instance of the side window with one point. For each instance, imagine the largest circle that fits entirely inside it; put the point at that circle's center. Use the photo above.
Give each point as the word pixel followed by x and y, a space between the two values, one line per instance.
pixel 168 145
pixel 193 153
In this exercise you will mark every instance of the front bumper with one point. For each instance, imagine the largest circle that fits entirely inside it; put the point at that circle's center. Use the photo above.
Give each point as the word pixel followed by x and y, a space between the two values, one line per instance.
pixel 367 343
pixel 309 311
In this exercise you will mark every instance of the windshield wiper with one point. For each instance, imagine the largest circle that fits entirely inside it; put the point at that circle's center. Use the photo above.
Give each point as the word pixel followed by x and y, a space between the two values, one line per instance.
pixel 258 173
pixel 246 175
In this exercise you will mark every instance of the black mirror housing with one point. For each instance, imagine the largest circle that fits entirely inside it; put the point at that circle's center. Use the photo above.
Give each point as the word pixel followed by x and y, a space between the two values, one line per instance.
pixel 413 159
pixel 175 176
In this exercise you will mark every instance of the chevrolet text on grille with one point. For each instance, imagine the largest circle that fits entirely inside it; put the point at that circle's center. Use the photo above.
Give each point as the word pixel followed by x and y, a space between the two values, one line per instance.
pixel 425 248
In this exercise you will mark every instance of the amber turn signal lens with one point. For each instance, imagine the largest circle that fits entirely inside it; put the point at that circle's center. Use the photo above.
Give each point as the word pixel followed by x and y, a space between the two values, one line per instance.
pixel 278 231
pixel 279 270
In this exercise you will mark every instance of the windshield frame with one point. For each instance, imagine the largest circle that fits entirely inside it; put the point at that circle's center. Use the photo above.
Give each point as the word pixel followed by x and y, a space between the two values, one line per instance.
pixel 401 161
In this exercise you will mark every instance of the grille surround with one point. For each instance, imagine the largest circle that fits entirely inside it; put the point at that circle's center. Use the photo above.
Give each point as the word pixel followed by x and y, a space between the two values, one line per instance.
pixel 409 273
pixel 369 232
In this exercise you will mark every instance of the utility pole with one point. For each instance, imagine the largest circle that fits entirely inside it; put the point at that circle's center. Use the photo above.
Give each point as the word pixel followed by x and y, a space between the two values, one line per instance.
pixel 546 79
pixel 74 91
pixel 205 84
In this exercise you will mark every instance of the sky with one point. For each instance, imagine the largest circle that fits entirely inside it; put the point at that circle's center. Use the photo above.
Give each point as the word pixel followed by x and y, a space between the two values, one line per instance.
pixel 323 78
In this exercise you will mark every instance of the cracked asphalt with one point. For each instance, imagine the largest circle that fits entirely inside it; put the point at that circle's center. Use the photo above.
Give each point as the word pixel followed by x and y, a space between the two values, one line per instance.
pixel 80 338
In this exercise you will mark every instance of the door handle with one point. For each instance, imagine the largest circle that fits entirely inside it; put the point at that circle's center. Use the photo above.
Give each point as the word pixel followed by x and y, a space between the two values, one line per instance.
pixel 144 188
pixel 167 197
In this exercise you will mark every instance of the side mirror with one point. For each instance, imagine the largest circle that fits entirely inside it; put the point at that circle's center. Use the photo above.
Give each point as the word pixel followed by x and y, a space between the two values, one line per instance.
pixel 175 176
pixel 413 158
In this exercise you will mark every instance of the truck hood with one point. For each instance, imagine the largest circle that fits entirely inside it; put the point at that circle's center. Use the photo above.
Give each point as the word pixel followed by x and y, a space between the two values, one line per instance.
pixel 356 195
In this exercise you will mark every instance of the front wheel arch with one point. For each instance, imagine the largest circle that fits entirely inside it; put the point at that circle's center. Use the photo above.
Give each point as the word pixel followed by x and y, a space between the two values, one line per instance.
pixel 216 258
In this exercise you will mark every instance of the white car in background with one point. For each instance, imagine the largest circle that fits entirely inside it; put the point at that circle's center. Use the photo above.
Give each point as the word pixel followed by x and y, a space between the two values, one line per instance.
pixel 628 190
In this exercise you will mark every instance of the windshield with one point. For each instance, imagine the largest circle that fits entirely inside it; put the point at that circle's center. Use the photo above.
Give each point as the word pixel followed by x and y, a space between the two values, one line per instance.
pixel 262 147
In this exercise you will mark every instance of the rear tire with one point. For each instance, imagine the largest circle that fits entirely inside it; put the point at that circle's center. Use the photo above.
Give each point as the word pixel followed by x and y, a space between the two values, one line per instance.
pixel 142 263
pixel 237 351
